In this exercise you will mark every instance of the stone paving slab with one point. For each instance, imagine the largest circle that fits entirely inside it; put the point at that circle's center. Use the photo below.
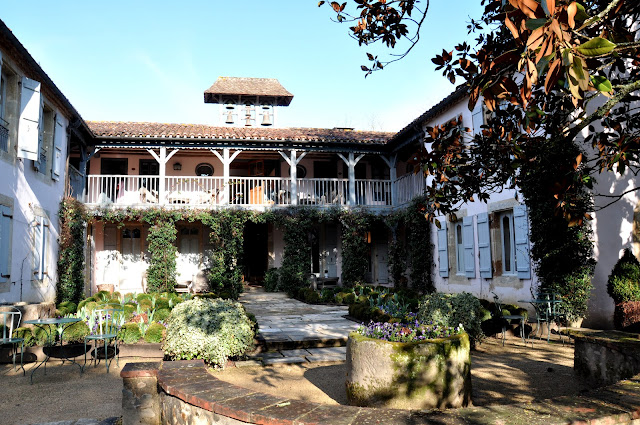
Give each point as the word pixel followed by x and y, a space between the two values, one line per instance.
pixel 284 360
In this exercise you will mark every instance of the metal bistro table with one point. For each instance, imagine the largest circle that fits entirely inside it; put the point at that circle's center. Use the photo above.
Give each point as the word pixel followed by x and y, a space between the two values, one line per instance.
pixel 61 323
pixel 549 312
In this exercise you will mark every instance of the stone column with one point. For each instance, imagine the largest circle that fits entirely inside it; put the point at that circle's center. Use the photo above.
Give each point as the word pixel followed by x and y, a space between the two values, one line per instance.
pixel 140 398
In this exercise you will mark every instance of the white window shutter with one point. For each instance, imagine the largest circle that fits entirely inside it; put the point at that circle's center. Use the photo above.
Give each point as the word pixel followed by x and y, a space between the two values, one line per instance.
pixel 59 139
pixel 484 245
pixel 443 254
pixel 521 228
pixel 40 236
pixel 469 247
pixel 5 242
pixel 29 127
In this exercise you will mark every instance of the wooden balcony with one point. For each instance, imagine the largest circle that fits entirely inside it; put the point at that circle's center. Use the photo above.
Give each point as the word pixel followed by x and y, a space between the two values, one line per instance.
pixel 251 192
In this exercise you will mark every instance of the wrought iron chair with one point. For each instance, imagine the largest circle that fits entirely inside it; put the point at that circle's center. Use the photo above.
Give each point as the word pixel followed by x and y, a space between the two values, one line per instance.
pixel 107 324
pixel 507 318
pixel 10 321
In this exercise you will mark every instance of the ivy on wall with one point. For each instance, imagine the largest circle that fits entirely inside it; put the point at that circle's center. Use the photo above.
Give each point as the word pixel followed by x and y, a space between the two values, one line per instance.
pixel 73 220
pixel 397 251
pixel 419 247
pixel 161 274
pixel 355 250
pixel 562 251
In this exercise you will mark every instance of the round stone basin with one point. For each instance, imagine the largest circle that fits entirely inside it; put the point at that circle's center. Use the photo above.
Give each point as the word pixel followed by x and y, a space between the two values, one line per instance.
pixel 422 375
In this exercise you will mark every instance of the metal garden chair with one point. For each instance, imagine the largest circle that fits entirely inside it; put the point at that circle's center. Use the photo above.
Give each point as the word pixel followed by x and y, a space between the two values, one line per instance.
pixel 107 324
pixel 11 320
pixel 507 318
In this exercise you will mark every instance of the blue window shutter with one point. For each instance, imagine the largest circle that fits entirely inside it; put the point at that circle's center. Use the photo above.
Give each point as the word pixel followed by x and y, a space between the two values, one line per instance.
pixel 443 254
pixel 29 126
pixel 484 245
pixel 59 139
pixel 469 247
pixel 521 228
pixel 5 242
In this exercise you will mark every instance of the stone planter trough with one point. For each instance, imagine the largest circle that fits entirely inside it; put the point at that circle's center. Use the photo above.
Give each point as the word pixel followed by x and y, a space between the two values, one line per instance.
pixel 422 375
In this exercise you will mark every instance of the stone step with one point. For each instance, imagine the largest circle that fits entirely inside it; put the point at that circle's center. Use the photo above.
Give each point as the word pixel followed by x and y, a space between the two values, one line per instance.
pixel 296 356
pixel 266 344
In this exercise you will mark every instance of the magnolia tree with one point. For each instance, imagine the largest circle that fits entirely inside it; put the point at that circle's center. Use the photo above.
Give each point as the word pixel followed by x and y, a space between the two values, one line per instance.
pixel 560 80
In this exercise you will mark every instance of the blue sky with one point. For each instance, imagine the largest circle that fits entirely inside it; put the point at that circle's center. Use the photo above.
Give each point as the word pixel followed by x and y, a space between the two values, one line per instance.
pixel 152 61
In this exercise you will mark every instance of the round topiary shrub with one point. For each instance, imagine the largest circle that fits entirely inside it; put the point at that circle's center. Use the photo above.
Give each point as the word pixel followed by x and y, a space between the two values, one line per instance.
pixel 154 333
pixel 212 330
pixel 129 309
pixel 70 306
pixel 161 315
pixel 145 305
pixel 76 332
pixel 623 284
pixel 162 302
pixel 129 333
pixel 143 296
pixel 41 334
pixel 350 298
pixel 26 334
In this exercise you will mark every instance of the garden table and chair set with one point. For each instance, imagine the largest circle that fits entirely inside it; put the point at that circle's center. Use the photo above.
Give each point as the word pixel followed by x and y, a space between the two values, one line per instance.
pixel 106 323
pixel 547 311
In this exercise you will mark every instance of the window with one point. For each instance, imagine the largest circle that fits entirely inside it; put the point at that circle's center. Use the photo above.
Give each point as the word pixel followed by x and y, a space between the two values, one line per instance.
pixel 204 169
pixel 131 246
pixel 40 246
pixel 45 136
pixel 459 249
pixel 507 241
pixel 6 219
pixel 189 240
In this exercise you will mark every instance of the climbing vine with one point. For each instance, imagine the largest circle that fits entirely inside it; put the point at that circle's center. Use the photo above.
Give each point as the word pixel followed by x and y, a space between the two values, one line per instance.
pixel 397 251
pixel 161 274
pixel 227 239
pixel 355 251
pixel 562 252
pixel 419 247
pixel 73 221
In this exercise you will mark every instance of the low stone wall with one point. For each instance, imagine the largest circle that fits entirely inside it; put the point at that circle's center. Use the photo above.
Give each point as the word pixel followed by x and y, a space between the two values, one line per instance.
pixel 421 375
pixel 32 311
pixel 605 357
pixel 184 393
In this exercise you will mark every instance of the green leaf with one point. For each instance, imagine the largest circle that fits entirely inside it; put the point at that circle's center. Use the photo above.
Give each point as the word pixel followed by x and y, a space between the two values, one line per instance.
pixel 601 84
pixel 581 15
pixel 533 24
pixel 596 46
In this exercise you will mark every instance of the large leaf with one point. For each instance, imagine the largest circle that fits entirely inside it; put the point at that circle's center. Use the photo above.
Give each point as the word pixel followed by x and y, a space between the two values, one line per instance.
pixel 596 46
pixel 601 84
pixel 533 24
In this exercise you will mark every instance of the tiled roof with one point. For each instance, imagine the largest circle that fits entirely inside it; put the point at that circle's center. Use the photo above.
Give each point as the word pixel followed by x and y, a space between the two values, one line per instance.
pixel 267 89
pixel 129 130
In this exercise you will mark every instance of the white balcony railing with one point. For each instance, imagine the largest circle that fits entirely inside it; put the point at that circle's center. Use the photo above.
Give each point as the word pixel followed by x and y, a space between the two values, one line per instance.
pixel 127 190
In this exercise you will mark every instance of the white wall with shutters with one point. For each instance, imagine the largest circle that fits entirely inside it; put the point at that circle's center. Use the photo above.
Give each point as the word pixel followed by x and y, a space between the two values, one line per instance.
pixel 59 144
pixel 6 218
pixel 443 253
pixel 521 229
pixel 484 245
pixel 468 241
pixel 29 126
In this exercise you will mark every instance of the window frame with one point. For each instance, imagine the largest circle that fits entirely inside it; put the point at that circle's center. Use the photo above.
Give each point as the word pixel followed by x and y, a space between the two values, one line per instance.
pixel 508 214
pixel 458 236
pixel 41 241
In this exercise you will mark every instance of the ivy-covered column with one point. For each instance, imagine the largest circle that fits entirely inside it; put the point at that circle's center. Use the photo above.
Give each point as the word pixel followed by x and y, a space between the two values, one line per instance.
pixel 355 252
pixel 73 221
pixel 161 274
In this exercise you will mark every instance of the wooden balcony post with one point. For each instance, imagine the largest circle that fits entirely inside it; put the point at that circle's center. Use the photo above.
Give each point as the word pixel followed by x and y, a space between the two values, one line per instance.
pixel 392 162
pixel 226 158
pixel 293 161
pixel 162 159
pixel 351 163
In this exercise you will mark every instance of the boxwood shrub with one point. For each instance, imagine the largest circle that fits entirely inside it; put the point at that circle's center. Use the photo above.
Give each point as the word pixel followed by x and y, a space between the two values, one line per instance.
pixel 129 333
pixel 212 330
pixel 154 333
pixel 623 284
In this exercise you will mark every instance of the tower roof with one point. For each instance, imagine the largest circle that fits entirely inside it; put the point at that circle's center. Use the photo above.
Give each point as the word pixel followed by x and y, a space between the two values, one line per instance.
pixel 255 91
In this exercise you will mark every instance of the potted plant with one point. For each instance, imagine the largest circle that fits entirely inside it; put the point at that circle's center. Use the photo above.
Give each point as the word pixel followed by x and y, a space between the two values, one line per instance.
pixel 408 366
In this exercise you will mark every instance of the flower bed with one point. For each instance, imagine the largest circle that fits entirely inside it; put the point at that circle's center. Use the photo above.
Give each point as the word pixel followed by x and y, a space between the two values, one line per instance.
pixel 429 366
